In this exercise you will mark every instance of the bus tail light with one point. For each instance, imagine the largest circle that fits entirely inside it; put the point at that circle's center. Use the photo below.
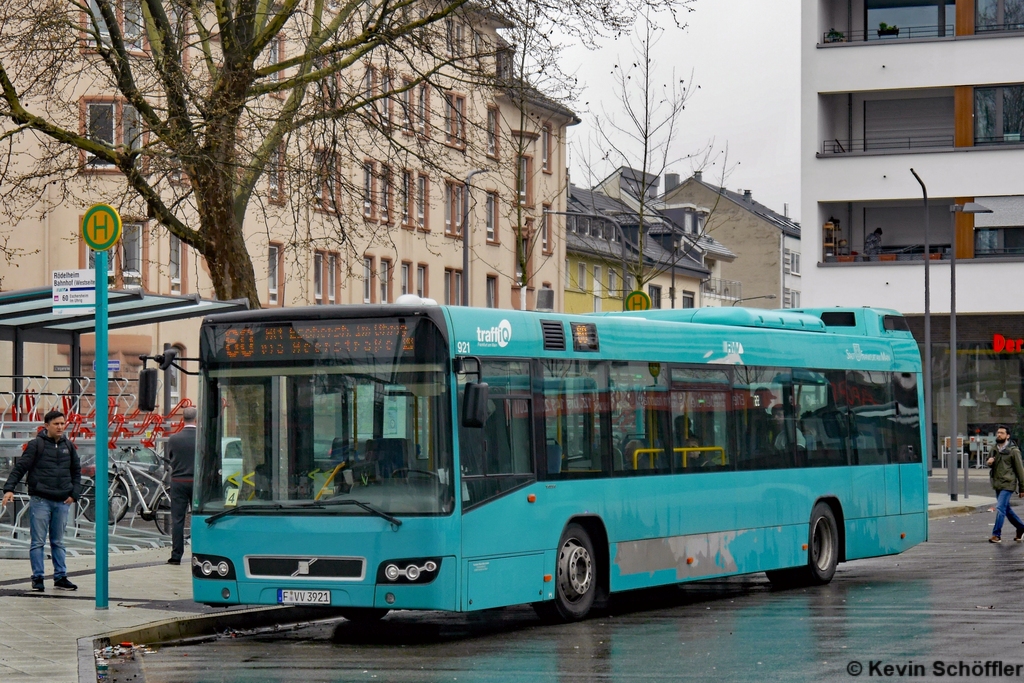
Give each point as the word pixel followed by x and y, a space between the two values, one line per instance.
pixel 415 570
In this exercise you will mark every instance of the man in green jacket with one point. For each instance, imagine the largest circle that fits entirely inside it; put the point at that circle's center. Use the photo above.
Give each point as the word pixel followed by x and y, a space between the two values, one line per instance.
pixel 1007 476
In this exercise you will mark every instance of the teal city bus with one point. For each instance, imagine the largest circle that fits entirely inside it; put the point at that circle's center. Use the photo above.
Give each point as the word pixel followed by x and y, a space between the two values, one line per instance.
pixel 415 456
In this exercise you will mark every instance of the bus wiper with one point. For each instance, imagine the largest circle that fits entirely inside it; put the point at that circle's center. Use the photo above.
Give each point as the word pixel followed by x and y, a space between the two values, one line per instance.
pixel 255 508
pixel 365 506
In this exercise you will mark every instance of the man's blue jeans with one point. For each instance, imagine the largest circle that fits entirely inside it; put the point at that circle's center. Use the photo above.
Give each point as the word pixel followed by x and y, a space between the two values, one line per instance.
pixel 1004 511
pixel 47 516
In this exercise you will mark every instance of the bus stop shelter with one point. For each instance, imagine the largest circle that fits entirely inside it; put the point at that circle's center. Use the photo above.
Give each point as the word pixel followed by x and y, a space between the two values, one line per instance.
pixel 26 316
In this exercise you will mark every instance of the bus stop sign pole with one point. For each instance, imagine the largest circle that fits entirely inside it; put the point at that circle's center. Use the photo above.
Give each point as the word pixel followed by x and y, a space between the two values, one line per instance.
pixel 101 229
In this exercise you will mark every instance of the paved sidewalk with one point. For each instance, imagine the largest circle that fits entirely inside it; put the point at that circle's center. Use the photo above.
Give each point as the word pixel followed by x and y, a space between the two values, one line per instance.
pixel 40 631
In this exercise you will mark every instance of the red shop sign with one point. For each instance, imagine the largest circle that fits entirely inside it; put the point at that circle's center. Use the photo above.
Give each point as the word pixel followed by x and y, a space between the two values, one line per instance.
pixel 1001 344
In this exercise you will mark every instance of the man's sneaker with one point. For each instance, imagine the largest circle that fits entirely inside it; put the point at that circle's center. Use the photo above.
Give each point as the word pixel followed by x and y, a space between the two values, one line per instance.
pixel 1020 535
pixel 995 539
pixel 65 585
pixel 37 585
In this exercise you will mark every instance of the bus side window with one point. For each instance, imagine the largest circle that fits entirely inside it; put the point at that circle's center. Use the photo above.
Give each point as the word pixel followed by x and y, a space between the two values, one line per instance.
pixel 574 413
pixel 869 395
pixel 700 431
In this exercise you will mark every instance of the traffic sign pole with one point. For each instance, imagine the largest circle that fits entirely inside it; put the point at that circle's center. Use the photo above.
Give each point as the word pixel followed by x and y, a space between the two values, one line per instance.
pixel 102 420
pixel 101 230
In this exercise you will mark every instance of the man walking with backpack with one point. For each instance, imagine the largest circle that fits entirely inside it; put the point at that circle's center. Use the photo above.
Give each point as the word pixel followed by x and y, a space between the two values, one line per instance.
pixel 54 482
pixel 1007 476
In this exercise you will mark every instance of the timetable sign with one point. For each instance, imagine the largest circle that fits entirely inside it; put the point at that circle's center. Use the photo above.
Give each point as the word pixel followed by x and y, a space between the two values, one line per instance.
pixel 74 292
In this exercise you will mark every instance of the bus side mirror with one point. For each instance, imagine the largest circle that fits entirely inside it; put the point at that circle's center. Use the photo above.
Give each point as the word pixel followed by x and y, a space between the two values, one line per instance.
pixel 147 389
pixel 474 405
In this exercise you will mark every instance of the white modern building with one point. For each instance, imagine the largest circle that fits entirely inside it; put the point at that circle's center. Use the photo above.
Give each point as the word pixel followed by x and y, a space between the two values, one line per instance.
pixel 890 85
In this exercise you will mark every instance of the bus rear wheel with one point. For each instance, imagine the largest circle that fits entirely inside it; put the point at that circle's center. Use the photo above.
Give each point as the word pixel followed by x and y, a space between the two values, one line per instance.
pixel 364 615
pixel 575 578
pixel 822 553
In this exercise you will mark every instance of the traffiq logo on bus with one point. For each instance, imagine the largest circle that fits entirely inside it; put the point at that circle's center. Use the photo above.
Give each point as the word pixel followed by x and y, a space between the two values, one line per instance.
pixel 500 335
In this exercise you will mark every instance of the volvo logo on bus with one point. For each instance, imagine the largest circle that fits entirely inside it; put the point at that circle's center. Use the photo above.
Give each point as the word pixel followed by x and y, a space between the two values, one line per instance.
pixel 500 335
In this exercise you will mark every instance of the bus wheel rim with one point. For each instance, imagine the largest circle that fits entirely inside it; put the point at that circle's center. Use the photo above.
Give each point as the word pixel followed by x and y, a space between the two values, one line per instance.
pixel 575 570
pixel 822 544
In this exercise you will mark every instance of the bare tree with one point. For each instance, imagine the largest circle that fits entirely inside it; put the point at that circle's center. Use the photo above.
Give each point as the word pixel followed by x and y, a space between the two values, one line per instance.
pixel 210 98
pixel 643 136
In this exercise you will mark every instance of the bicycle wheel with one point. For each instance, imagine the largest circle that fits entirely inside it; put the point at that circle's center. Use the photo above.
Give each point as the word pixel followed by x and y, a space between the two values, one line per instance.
pixel 162 513
pixel 119 501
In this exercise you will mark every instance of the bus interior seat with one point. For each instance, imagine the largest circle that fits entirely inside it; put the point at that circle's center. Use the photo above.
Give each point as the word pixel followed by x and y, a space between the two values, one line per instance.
pixel 554 452
pixel 391 455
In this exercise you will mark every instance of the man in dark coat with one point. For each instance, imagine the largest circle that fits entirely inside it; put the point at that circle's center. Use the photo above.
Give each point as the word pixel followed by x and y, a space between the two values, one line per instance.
pixel 181 450
pixel 54 482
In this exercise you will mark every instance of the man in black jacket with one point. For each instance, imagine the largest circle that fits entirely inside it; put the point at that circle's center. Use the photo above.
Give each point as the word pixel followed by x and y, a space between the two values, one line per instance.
pixel 181 450
pixel 54 482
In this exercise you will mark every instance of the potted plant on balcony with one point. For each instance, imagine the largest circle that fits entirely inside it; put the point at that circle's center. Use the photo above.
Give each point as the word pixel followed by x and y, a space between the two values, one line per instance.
pixel 885 29
pixel 834 36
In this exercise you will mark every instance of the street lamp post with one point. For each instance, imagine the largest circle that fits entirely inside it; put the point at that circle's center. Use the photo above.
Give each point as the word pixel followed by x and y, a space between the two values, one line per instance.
pixel 927 374
pixel 969 207
pixel 465 235
pixel 751 298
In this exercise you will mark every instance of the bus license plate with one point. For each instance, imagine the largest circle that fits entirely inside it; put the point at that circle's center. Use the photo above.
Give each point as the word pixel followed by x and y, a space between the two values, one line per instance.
pixel 294 597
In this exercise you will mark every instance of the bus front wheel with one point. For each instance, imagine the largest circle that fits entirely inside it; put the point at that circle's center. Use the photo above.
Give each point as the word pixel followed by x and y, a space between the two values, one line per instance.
pixel 575 578
pixel 822 553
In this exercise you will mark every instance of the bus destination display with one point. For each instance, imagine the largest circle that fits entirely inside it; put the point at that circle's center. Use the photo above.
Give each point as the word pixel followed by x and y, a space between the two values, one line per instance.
pixel 311 341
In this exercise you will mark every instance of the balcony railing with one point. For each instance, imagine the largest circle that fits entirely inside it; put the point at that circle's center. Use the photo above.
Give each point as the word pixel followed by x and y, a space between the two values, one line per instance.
pixel 722 289
pixel 889 144
pixel 878 35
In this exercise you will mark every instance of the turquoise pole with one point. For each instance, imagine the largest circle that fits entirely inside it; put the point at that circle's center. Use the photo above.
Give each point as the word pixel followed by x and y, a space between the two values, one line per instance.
pixel 102 420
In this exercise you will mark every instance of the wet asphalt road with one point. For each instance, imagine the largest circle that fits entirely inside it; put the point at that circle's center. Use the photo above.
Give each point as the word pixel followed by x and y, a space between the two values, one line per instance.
pixel 954 598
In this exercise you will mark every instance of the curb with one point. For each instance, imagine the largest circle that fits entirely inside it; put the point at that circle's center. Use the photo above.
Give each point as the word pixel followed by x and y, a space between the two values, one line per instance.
pixel 193 626
pixel 939 513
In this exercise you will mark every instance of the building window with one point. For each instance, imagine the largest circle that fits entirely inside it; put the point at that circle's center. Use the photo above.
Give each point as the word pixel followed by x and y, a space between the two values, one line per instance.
pixel 385 194
pixel 367 279
pixel 998 114
pixel 794 262
pixel 318 277
pixel 421 280
pixel 545 149
pixel 687 300
pixel 406 267
pixel 275 174
pixel 408 92
pixel 423 109
pixel 655 293
pixel 174 264
pixel 523 181
pixel 101 126
pixel 613 282
pixel 332 277
pixel 385 101
pixel 453 209
pixel 581 275
pixel 273 259
pixel 368 189
pixel 545 230
pixel 630 282
pixel 492 132
pixel 385 281
pixel 998 15
pixel 492 216
pixel 131 255
pixel 597 289
pixel 369 83
pixel 455 119
pixel 175 380
pixel 452 287
pixel 568 278
pixel 492 291
pixel 405 191
pixel 421 202
pixel 130 17
pixel 794 298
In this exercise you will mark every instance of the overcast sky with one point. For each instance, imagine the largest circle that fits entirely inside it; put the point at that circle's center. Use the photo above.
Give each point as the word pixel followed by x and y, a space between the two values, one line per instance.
pixel 745 56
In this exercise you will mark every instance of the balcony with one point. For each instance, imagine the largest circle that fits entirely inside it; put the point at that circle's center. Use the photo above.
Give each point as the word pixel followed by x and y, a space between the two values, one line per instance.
pixel 894 144
pixel 887 122
pixel 727 290
pixel 859 22
pixel 878 35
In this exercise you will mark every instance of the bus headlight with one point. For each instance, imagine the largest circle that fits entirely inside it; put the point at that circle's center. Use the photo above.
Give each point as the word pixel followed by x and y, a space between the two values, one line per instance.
pixel 416 570
pixel 212 567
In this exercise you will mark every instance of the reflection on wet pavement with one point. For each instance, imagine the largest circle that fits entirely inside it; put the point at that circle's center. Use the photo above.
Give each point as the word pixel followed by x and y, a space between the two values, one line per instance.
pixel 932 603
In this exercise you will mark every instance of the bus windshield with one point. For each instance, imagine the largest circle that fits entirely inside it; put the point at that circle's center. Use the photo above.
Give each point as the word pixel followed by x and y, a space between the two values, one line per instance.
pixel 301 412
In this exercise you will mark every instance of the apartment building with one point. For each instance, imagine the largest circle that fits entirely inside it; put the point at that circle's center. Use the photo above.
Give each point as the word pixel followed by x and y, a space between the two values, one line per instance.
pixel 894 85
pixel 375 225
pixel 603 249
pixel 766 271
